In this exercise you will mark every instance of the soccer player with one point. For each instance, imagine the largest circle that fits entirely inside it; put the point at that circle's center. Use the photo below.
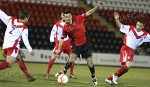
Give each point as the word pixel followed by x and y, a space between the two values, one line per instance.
pixel 75 29
pixel 22 66
pixel 134 36
pixel 66 48
pixel 16 29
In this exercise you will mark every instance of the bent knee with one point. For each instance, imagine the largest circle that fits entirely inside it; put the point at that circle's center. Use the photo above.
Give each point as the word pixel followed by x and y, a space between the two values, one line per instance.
pixel 129 64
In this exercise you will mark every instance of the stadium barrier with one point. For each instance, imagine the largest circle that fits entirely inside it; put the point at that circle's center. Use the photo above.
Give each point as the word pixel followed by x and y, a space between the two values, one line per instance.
pixel 98 58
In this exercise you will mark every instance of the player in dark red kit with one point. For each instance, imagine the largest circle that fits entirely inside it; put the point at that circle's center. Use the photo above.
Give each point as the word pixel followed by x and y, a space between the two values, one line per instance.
pixel 75 29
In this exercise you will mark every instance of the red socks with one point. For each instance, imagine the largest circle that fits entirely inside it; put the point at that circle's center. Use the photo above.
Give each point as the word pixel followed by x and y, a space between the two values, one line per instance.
pixel 50 64
pixel 123 69
pixel 71 68
pixel 23 67
pixel 4 65
pixel 110 78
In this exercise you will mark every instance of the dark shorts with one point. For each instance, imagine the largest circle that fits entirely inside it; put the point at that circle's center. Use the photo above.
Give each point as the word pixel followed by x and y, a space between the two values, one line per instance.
pixel 84 50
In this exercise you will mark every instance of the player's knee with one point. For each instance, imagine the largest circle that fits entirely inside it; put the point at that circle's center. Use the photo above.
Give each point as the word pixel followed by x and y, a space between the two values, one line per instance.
pixel 129 64
pixel 54 56
pixel 90 62
pixel 69 64
pixel 10 65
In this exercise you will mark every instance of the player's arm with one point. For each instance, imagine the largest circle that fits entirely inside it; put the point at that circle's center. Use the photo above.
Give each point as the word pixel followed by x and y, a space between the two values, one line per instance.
pixel 116 16
pixel 146 39
pixel 123 28
pixel 99 4
pixel 60 45
pixel 26 41
pixel 4 17
pixel 63 35
pixel 53 32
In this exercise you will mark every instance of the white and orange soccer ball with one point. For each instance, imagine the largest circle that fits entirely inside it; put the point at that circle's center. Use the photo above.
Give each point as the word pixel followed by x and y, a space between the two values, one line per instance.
pixel 62 79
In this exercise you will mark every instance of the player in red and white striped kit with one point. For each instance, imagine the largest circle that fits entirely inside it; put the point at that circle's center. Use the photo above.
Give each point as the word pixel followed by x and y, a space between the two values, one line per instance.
pixel 16 29
pixel 134 36
pixel 55 36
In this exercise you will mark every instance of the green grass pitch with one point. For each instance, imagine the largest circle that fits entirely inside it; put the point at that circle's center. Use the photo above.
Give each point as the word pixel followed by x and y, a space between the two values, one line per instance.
pixel 13 77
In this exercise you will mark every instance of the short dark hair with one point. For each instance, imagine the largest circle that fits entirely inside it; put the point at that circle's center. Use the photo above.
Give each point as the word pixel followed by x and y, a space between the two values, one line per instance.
pixel 141 21
pixel 66 11
pixel 23 14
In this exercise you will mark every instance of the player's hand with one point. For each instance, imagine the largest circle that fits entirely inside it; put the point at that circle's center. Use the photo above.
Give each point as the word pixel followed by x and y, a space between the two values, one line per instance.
pixel 32 53
pixel 99 4
pixel 116 15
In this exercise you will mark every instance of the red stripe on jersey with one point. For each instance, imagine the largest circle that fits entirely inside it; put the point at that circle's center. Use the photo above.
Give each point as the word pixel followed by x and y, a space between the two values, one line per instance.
pixel 58 24
pixel 133 30
pixel 125 39
pixel 16 42
pixel 24 27
pixel 21 26
pixel 13 19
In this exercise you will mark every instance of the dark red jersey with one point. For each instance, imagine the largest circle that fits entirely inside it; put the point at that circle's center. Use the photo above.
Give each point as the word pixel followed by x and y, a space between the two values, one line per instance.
pixel 76 30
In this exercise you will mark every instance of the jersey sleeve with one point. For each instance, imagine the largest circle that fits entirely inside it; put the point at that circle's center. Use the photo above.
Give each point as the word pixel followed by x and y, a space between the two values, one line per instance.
pixel 25 39
pixel 82 16
pixel 53 32
pixel 59 32
pixel 124 28
pixel 147 38
pixel 4 17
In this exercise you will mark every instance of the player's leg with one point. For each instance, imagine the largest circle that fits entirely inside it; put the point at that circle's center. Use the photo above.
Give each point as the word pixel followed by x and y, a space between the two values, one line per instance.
pixel 50 64
pixel 87 53
pixel 92 70
pixel 126 57
pixel 22 66
pixel 75 51
pixel 67 50
pixel 69 62
pixel 11 58
pixel 52 59
pixel 9 62
pixel 72 75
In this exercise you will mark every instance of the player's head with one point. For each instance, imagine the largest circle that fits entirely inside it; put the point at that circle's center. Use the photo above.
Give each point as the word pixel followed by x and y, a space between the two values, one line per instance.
pixel 63 17
pixel 140 25
pixel 24 16
pixel 67 16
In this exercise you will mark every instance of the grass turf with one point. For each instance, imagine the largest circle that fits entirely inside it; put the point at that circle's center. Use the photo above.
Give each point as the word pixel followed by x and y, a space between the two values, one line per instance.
pixel 13 77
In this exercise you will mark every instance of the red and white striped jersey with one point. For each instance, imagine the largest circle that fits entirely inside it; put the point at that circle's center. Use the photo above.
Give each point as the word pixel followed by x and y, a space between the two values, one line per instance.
pixel 57 31
pixel 14 32
pixel 132 38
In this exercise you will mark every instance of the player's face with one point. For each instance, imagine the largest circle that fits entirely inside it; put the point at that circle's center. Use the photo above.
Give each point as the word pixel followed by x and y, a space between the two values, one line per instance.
pixel 26 20
pixel 68 18
pixel 63 17
pixel 139 26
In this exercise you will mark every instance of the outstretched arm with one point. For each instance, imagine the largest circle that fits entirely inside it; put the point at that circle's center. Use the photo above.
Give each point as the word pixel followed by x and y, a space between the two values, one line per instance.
pixel 99 4
pixel 116 16
pixel 4 17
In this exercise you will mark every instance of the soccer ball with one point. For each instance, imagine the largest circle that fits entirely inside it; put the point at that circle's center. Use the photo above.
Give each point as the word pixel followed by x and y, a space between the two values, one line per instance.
pixel 62 79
